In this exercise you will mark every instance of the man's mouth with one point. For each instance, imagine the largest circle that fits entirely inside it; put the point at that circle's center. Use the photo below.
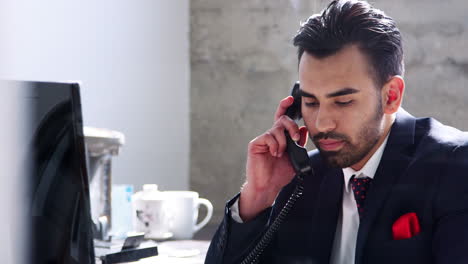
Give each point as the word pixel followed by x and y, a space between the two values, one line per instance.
pixel 330 144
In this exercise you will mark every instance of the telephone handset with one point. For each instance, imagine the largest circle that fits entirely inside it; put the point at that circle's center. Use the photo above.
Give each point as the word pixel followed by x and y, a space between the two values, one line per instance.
pixel 297 155
pixel 300 161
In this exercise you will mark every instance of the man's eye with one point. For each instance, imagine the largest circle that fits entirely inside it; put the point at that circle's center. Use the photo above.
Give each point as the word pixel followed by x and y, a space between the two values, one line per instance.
pixel 341 103
pixel 311 104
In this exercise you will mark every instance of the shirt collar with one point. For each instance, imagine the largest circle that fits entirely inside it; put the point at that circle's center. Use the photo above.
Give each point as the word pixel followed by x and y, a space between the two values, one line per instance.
pixel 369 168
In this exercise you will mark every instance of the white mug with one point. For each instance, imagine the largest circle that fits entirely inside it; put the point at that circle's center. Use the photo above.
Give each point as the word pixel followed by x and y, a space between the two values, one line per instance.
pixel 183 207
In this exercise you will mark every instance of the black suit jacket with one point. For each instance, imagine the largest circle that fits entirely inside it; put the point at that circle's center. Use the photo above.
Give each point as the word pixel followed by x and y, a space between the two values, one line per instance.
pixel 424 169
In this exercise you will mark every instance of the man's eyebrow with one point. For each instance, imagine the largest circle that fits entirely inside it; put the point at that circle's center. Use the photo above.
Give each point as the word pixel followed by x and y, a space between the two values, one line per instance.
pixel 344 91
pixel 305 94
pixel 341 92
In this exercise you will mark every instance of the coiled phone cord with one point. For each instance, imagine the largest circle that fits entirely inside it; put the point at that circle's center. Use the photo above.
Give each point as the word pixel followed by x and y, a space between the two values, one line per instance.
pixel 254 255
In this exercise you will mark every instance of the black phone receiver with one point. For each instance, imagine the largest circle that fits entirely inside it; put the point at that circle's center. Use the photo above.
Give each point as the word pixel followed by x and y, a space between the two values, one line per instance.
pixel 297 154
pixel 301 164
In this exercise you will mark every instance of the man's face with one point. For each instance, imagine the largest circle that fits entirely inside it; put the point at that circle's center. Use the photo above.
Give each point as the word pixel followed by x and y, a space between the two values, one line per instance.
pixel 341 107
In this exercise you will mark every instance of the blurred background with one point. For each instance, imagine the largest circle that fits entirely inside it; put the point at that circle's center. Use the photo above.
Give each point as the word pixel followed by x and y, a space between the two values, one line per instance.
pixel 190 83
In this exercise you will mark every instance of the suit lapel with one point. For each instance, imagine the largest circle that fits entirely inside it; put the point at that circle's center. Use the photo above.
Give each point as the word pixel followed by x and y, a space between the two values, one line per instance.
pixel 327 212
pixel 395 160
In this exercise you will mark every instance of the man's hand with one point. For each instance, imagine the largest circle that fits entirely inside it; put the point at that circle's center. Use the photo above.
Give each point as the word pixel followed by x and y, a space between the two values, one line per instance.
pixel 268 167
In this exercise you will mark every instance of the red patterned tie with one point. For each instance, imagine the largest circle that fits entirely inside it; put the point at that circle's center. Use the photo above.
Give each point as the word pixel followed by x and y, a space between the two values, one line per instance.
pixel 360 187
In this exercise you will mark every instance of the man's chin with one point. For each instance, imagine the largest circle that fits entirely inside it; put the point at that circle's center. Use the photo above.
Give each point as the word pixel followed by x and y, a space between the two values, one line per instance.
pixel 335 159
pixel 331 158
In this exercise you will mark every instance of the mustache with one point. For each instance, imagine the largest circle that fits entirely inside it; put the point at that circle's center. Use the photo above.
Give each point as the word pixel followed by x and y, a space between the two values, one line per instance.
pixel 329 135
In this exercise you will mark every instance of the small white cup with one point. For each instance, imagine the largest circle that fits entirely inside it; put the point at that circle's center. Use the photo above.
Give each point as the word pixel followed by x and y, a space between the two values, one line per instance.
pixel 150 217
pixel 183 207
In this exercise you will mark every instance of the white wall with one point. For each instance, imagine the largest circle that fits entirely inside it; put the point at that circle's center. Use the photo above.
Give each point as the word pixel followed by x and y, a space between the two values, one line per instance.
pixel 133 60
pixel 13 224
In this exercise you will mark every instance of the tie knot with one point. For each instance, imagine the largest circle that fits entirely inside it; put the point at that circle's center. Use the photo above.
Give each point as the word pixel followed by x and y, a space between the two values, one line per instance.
pixel 360 181
pixel 360 187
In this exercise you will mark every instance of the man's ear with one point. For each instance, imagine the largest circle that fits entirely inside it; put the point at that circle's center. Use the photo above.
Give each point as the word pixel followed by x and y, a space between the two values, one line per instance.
pixel 392 94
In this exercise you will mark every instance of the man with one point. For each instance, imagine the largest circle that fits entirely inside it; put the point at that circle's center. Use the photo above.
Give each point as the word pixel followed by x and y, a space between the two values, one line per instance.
pixel 386 188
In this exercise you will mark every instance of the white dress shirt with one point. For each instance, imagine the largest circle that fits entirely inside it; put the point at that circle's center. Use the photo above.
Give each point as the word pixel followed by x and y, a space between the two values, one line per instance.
pixel 344 245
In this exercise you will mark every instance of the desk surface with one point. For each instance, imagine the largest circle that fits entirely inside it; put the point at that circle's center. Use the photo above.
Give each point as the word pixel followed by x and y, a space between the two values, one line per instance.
pixel 182 251
pixel 179 252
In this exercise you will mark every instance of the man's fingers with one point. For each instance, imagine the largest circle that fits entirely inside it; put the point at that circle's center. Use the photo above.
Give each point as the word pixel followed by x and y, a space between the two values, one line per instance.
pixel 280 138
pixel 283 106
pixel 283 124
pixel 275 139
pixel 272 144
pixel 304 136
pixel 289 125
pixel 264 143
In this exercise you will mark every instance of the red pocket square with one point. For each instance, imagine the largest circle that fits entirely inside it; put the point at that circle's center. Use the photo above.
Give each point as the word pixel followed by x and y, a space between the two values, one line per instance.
pixel 406 226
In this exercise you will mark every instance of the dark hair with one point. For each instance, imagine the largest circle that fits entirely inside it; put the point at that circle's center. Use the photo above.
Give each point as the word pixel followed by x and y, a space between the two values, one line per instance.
pixel 346 22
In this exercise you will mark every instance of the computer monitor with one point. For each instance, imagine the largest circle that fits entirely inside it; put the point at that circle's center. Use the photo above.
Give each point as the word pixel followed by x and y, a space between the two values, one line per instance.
pixel 53 153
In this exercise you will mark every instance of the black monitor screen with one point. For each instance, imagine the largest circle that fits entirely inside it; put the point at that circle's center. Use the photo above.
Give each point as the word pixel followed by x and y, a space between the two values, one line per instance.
pixel 55 167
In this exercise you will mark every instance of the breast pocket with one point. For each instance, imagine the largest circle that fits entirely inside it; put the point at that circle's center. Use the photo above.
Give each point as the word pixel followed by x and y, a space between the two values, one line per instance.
pixel 416 249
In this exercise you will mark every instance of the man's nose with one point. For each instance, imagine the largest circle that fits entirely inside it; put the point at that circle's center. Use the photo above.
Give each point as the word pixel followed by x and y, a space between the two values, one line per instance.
pixel 325 121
